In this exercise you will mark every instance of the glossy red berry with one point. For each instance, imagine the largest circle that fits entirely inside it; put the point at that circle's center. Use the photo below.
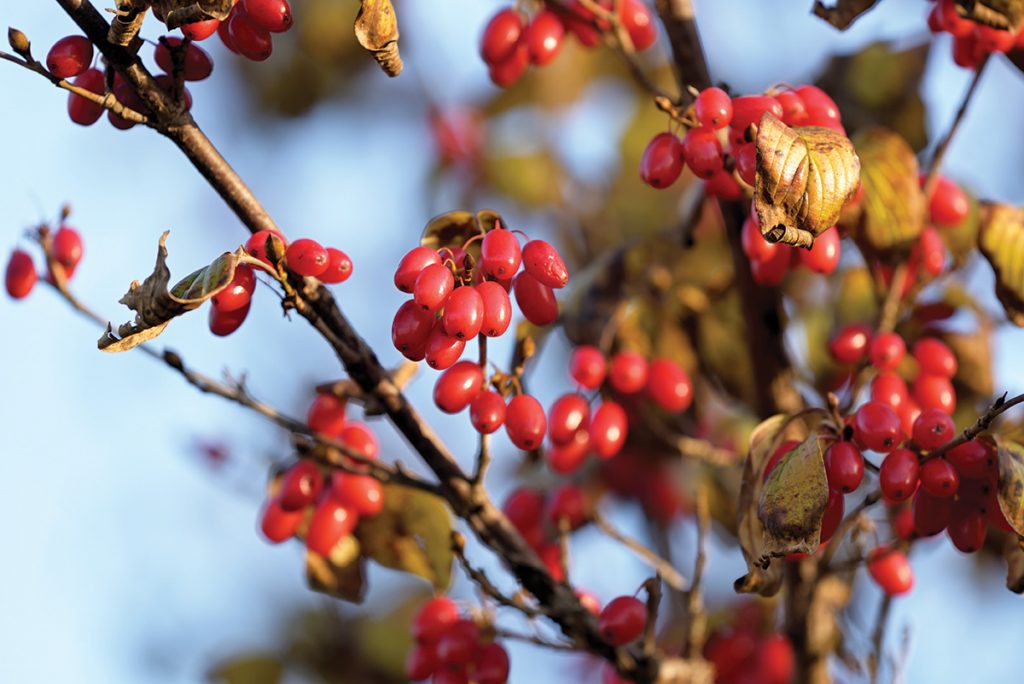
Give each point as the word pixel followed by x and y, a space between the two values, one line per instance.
pixel 877 427
pixel 339 267
pixel 973 460
pixel 535 299
pixel 967 529
pixel 891 390
pixel 433 285
pixel 20 276
pixel 300 486
pixel 931 513
pixel 746 165
pixel 246 38
pixel 420 663
pixel 567 415
pixel 821 109
pixel 935 391
pixel 730 651
pixel 508 71
pixel 639 23
pixel 69 56
pixel 713 108
pixel 702 152
pixel 902 524
pixel 500 254
pixel 887 350
pixel 463 313
pixel 608 429
pixel 823 256
pixel 544 263
pixel 948 205
pixel 225 35
pixel 932 429
pixel 67 247
pixel 525 422
pixel 844 467
pixel 939 477
pixel 457 386
pixel 891 570
pixel 543 37
pixel 850 344
pixel 662 161
pixel 501 36
pixel 935 357
pixel 82 111
pixel 200 30
pixel 587 366
pixel 952 22
pixel 270 15
pixel 331 522
pixel 442 350
pixel 435 617
pixel 497 313
pixel 326 415
pixel 930 252
pixel 256 245
pixel 458 646
pixel 223 323
pixel 833 515
pixel 277 524
pixel 196 64
pixel 771 271
pixel 492 665
pixel 524 508
pixel 361 493
pixel 622 620
pixel 487 412
pixel 567 457
pixel 568 503
pixel 775 662
pixel 723 186
pixel 629 372
pixel 669 385
pixel 748 109
pixel 306 257
pixel 410 330
pixel 360 438
pixel 754 245
pixel 899 474
pixel 412 264
pixel 239 291
pixel 794 111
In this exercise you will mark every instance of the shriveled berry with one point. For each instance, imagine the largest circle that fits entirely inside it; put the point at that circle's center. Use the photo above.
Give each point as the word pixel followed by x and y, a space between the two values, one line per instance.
pixel 535 299
pixel 525 422
pixel 500 254
pixel 457 386
pixel 622 620
pixel 306 257
pixel 69 56
pixel 543 262
pixel 662 161
pixel 669 385
pixel 497 308
pixel 487 412
pixel 339 267
pixel 608 429
pixel 629 372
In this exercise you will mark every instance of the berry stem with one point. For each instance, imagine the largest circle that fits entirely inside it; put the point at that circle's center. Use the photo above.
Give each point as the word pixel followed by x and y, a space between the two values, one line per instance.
pixel 664 568
pixel 484 583
pixel 998 407
pixel 697 618
pixel 878 636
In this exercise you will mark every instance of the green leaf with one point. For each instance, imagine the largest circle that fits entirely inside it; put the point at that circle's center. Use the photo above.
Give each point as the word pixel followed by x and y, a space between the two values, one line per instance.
pixel 340 574
pixel 1001 240
pixel 764 573
pixel 1010 491
pixel 411 533
pixel 893 205
pixel 254 668
pixel 793 501
pixel 804 177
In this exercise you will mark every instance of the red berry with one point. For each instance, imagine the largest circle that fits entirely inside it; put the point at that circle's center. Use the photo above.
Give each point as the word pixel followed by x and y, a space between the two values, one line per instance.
pixel 567 415
pixel 713 108
pixel 433 285
pixel 524 508
pixel 639 24
pixel 931 513
pixel 508 71
pixel 821 109
pixel 543 262
pixel 629 372
pixel 82 111
pixel 887 350
pixel 277 524
pixel 67 247
pixel 754 245
pixel 239 291
pixel 300 486
pixel 967 529
pixel 935 391
pixel 823 256
pixel 939 477
pixel 492 664
pixel 434 619
pixel 587 366
pixel 567 457
pixel 908 414
pixel 850 344
pixel 746 165
pixel 966 51
pixel 622 620
pixel 421 663
pixel 770 272
pixel 256 245
pixel 21 275
pixel 270 15
pixel 973 460
pixel 991 39
pixel 223 323
pixel 200 30
pixel 723 186
pixel 362 493
pixel 930 251
pixel 702 152
pixel 459 644
pixel 903 524
pixel 525 422
pixel 326 415
pixel 952 22
pixel 500 255
pixel 935 357
pixel 932 429
pixel 535 299
pixel 339 267
pixel 248 39
pixel 331 522
pixel 669 385
pixel 568 503
pixel 306 257
pixel 891 390
pixel 442 350
pixel 748 109
pixel 775 662
pixel 451 674
pixel 899 474
pixel 844 466
pixel 794 111
pixel 543 37
pixel 501 36
pixel 463 313
pixel 410 330
pixel 196 66
pixel 69 56
pixel 877 427
pixel 360 438
pixel 457 386
pixel 225 35
pixel 662 161
pixel 487 412
pixel 833 515
pixel 412 264
pixel 948 204
pixel 891 570
pixel 608 429
pixel 497 308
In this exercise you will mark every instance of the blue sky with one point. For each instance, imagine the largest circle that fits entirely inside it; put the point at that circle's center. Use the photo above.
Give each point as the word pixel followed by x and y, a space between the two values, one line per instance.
pixel 125 559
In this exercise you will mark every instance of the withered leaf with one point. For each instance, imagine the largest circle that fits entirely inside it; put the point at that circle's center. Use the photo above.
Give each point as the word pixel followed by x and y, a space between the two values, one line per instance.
pixel 455 228
pixel 844 12
pixel 1000 14
pixel 893 205
pixel 1001 240
pixel 377 31
pixel 179 12
pixel 340 574
pixel 764 573
pixel 793 501
pixel 1013 552
pixel 155 306
pixel 804 177
pixel 411 533
pixel 1010 492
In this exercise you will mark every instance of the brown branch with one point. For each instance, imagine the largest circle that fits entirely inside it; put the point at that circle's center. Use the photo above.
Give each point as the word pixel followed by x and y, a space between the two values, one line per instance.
pixel 848 522
pixel 998 407
pixel 661 565
pixel 533 639
pixel 480 578
pixel 691 65
pixel 697 628
pixel 878 636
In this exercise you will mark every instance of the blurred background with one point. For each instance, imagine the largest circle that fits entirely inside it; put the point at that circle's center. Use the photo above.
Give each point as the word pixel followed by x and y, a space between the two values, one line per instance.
pixel 131 552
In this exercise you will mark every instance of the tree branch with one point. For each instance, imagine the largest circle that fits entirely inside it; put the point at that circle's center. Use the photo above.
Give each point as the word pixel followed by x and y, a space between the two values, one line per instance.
pixel 691 65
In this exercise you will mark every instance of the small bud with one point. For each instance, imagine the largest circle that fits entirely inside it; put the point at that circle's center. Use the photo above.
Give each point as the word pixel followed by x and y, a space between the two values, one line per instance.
pixel 19 42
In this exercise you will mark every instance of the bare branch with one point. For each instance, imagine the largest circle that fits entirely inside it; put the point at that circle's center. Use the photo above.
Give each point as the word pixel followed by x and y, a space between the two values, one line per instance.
pixel 664 567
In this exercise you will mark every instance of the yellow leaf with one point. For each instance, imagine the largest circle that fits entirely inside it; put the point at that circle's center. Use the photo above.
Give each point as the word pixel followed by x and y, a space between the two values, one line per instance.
pixel 893 206
pixel 1001 240
pixel 804 177
pixel 793 501
pixel 256 668
pixel 1010 491
pixel 377 31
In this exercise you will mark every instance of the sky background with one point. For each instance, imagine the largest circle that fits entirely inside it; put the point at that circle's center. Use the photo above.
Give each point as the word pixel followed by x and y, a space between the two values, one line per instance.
pixel 125 558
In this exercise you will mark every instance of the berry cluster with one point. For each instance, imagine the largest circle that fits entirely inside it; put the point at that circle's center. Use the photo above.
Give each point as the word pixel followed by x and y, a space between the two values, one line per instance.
pixel 747 651
pixel 638 475
pixel 331 502
pixel 539 518
pixel 247 29
pixel 230 307
pixel 972 42
pixel 66 249
pixel 771 261
pixel 451 649
pixel 720 140
pixel 511 43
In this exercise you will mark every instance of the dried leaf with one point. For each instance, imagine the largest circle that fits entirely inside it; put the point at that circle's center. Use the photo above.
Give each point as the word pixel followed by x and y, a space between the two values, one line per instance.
pixel 764 574
pixel 178 12
pixel 341 574
pixel 1010 491
pixel 793 501
pixel 804 177
pixel 255 668
pixel 155 306
pixel 1013 552
pixel 844 12
pixel 1001 240
pixel 411 533
pixel 893 205
pixel 455 228
pixel 377 31
pixel 1000 14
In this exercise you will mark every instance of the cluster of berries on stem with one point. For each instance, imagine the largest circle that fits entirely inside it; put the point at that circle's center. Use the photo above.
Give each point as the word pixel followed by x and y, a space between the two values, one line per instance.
pixel 972 42
pixel 454 649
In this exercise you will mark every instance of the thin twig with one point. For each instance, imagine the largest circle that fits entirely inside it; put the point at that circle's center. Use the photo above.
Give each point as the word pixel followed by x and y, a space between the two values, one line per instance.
pixel 481 579
pixel 653 587
pixel 878 636
pixel 998 407
pixel 694 597
pixel 848 522
pixel 891 305
pixel 664 567
pixel 534 639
